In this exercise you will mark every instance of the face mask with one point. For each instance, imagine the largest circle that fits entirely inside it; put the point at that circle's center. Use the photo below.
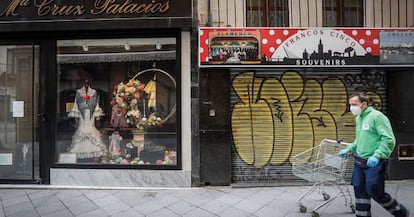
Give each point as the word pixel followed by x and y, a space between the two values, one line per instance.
pixel 356 109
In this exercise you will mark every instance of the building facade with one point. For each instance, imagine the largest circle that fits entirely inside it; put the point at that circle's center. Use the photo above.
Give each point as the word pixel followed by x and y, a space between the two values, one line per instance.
pixel 191 93
pixel 94 93
pixel 274 79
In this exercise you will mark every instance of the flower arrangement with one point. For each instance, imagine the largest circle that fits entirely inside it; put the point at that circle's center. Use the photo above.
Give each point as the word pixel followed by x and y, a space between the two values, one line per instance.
pixel 151 121
pixel 126 97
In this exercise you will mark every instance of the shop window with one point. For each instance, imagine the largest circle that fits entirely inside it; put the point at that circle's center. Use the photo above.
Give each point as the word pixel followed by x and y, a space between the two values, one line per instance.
pixel 267 13
pixel 117 102
pixel 342 13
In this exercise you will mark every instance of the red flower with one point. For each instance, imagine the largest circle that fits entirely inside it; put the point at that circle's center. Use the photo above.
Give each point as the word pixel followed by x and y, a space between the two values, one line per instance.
pixel 137 95
pixel 141 87
pixel 86 97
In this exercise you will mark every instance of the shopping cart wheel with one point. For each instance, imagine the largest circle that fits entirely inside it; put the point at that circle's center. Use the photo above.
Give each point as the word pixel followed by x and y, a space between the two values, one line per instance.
pixel 302 208
pixel 326 196
pixel 315 214
pixel 352 208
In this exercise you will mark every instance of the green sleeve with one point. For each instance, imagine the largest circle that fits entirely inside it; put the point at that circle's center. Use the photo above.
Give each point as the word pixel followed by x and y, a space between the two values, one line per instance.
pixel 352 147
pixel 387 138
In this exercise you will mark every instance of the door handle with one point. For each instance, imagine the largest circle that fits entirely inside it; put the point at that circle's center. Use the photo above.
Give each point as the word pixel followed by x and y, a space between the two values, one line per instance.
pixel 42 117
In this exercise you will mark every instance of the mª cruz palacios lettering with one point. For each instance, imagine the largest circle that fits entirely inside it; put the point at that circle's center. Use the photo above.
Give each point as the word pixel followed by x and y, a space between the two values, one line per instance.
pixel 98 7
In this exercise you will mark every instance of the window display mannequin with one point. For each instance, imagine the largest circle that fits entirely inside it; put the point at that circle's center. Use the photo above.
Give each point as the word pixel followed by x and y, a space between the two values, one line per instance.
pixel 87 142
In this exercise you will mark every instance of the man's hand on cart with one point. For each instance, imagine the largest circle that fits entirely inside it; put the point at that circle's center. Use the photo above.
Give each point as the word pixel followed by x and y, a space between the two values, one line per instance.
pixel 372 161
pixel 343 152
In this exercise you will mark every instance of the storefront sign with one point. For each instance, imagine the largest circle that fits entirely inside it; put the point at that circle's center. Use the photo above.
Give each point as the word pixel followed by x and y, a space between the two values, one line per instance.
pixel 18 109
pixel 32 10
pixel 305 47
pixel 6 159
pixel 397 47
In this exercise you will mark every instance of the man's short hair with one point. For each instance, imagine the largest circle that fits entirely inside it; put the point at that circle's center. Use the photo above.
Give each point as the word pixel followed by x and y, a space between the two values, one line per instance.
pixel 361 96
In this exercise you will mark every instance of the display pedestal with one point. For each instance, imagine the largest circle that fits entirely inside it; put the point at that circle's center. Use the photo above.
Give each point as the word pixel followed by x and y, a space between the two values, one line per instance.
pixel 138 139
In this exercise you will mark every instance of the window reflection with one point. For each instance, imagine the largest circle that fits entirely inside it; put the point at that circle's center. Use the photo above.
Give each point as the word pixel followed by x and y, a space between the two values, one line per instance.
pixel 19 124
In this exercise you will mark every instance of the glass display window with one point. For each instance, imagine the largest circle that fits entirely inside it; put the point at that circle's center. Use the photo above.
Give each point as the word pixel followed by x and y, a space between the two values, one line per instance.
pixel 117 102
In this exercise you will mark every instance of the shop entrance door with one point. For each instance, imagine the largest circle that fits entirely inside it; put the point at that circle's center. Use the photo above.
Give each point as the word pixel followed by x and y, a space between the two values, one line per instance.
pixel 19 119
pixel 215 134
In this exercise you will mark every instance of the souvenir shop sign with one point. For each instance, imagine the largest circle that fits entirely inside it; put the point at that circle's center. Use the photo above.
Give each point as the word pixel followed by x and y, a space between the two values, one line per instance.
pixel 318 47
pixel 35 10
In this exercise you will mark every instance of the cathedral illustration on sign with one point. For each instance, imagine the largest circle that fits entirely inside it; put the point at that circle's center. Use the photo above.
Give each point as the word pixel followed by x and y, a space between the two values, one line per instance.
pixel 347 56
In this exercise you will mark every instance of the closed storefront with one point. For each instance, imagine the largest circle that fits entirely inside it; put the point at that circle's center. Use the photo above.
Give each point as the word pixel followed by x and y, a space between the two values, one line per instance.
pixel 288 90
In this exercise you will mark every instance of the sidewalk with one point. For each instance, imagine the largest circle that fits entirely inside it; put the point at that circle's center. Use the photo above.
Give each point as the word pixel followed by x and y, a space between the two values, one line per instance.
pixel 47 201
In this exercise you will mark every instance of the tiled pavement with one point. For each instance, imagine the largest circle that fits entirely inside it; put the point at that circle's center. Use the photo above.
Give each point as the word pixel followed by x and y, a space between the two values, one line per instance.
pixel 226 201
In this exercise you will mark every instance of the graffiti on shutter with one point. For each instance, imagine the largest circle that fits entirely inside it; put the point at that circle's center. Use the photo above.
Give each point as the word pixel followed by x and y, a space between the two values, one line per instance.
pixel 278 115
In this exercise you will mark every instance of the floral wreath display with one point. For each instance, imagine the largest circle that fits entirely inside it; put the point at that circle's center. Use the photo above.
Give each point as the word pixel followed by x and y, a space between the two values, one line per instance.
pixel 127 96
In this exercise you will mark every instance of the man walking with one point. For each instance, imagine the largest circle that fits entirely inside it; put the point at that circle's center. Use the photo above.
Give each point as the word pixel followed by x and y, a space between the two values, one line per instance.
pixel 373 145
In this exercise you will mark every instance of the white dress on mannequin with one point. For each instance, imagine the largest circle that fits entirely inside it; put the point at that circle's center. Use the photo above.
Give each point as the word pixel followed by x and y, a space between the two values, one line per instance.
pixel 87 142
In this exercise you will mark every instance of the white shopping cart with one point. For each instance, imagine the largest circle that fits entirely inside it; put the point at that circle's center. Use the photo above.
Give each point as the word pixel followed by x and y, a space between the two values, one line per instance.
pixel 322 166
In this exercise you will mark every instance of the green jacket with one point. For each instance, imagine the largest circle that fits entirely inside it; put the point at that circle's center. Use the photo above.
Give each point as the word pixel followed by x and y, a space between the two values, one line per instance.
pixel 373 135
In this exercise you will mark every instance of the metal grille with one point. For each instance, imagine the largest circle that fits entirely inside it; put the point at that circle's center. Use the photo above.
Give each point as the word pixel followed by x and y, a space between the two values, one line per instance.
pixel 264 13
pixel 342 13
pixel 277 114
pixel 306 13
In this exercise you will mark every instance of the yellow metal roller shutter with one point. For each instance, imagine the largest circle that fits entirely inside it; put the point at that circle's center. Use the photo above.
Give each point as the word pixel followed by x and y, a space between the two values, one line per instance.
pixel 277 114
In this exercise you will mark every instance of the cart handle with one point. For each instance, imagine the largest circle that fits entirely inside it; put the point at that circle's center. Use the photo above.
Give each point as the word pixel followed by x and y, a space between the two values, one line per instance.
pixel 339 141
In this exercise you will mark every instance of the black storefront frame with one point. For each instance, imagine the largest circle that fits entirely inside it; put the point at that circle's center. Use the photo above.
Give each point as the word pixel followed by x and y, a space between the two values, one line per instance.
pixel 168 19
pixel 122 34
pixel 48 94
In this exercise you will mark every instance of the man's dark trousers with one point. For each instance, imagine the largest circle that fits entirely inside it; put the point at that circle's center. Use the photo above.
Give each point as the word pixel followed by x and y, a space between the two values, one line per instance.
pixel 369 183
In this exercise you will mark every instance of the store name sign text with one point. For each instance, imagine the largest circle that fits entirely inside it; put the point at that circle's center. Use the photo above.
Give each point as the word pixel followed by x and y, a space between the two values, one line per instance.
pixel 49 7
pixel 312 47
pixel 37 9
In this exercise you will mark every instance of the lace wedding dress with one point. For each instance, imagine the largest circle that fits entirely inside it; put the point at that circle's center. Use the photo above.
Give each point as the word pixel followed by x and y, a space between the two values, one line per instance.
pixel 87 142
